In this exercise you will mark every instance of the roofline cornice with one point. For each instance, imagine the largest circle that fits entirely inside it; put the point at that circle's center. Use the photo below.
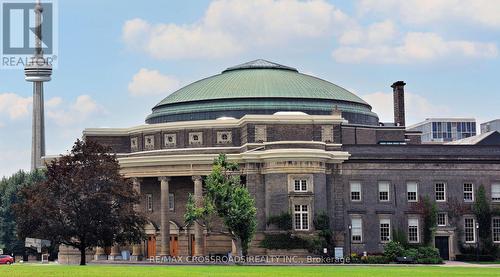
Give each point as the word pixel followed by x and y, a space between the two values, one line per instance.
pixel 211 124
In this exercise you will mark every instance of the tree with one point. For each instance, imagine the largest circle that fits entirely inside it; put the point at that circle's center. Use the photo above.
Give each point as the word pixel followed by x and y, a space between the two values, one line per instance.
pixel 9 189
pixel 482 212
pixel 227 198
pixel 84 202
pixel 428 210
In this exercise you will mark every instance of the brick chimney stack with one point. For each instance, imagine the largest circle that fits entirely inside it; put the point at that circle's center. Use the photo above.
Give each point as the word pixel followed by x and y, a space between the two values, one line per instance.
pixel 399 102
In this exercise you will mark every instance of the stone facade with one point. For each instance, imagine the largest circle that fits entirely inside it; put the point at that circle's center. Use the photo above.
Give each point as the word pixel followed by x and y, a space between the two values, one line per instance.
pixel 301 164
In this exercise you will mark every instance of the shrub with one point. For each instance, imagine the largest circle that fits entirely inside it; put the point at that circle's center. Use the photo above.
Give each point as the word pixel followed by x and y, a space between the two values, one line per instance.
pixel 287 241
pixel 283 221
pixel 410 253
pixel 428 255
pixel 473 257
pixel 375 259
pixel 392 250
pixel 490 248
pixel 421 254
pixel 355 258
pixel 322 224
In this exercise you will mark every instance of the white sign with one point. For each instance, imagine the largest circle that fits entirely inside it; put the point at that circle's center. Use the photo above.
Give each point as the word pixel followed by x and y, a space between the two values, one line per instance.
pixel 339 252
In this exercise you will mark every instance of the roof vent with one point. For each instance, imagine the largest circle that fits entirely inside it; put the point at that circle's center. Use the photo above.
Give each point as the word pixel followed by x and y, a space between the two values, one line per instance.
pixel 260 64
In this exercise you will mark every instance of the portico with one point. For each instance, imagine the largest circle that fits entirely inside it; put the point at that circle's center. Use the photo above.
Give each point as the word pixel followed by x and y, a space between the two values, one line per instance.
pixel 173 237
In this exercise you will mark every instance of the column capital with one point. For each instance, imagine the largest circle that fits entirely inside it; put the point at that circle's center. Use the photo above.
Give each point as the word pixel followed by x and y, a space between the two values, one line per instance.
pixel 196 178
pixel 164 179
pixel 136 180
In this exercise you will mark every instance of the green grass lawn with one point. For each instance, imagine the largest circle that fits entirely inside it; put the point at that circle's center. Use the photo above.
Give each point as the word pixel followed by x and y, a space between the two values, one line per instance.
pixel 233 271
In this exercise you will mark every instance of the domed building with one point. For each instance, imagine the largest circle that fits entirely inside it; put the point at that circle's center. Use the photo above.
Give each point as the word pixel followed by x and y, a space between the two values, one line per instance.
pixel 260 87
pixel 306 147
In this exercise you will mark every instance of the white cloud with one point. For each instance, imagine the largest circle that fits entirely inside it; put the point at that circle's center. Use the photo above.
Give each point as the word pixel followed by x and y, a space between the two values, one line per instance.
pixel 230 27
pixel 152 82
pixel 83 107
pixel 169 41
pixel 376 33
pixel 480 12
pixel 53 102
pixel 417 107
pixel 414 47
pixel 14 106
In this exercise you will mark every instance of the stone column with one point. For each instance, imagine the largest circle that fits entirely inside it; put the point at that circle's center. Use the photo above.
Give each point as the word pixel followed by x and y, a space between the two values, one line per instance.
pixel 164 217
pixel 198 229
pixel 115 254
pixel 136 248
pixel 99 254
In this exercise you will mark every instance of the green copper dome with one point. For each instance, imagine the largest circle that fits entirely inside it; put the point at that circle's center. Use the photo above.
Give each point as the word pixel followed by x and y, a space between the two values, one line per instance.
pixel 258 87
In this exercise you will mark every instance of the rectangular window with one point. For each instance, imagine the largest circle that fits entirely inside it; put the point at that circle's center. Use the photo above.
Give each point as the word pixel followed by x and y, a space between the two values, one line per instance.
pixel 171 202
pixel 442 219
pixel 355 191
pixel 468 192
pixel 301 216
pixel 385 230
pixel 469 230
pixel 356 229
pixel 440 192
pixel 300 185
pixel 495 225
pixel 495 192
pixel 411 189
pixel 413 230
pixel 149 202
pixel 383 191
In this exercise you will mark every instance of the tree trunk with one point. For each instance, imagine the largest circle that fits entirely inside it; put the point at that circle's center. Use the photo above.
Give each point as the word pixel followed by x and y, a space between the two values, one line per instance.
pixel 236 247
pixel 82 256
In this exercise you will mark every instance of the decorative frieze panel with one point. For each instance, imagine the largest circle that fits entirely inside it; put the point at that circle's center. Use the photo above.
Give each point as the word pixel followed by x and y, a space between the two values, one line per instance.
pixel 170 140
pixel 327 133
pixel 195 138
pixel 149 142
pixel 224 137
pixel 294 167
pixel 260 133
pixel 134 144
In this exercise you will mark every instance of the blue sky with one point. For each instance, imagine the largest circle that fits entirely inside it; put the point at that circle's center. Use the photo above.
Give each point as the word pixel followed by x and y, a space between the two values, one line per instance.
pixel 117 59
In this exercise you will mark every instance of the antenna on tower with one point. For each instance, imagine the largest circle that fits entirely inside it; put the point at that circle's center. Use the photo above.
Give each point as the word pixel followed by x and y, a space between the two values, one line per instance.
pixel 38 28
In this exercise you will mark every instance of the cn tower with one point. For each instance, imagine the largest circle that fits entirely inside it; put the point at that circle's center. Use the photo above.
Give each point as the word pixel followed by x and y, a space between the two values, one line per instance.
pixel 38 71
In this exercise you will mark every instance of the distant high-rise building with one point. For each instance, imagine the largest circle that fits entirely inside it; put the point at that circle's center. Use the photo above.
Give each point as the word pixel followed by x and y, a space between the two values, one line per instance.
pixel 493 125
pixel 438 130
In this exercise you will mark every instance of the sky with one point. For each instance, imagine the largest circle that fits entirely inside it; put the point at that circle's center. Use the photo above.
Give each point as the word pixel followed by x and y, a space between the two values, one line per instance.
pixel 117 59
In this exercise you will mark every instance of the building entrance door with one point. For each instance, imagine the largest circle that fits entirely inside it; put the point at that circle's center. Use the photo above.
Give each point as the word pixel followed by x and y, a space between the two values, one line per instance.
pixel 151 246
pixel 442 244
pixel 174 245
pixel 193 243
